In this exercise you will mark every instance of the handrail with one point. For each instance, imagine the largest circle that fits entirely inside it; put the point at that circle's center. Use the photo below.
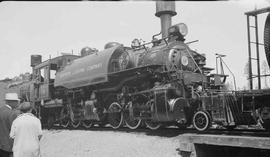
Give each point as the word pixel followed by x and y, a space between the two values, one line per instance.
pixel 231 73
pixel 222 61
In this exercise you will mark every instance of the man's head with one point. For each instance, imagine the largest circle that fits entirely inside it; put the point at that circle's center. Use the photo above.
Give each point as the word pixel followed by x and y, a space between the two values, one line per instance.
pixel 12 99
pixel 25 107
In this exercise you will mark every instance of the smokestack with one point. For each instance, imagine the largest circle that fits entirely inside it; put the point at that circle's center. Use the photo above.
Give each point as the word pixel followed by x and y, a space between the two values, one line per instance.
pixel 165 10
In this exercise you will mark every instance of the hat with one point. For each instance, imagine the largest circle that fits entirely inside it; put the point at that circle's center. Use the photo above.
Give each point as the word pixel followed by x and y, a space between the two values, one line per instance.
pixel 11 96
pixel 25 106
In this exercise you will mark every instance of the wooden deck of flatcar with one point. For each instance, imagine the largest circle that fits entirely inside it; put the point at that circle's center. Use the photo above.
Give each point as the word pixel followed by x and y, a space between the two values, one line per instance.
pixel 211 145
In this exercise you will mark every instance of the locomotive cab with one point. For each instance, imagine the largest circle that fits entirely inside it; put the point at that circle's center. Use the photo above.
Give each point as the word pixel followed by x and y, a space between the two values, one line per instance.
pixel 41 89
pixel 44 75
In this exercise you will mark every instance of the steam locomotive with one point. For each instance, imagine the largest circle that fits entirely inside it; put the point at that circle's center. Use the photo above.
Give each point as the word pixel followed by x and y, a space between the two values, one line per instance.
pixel 166 83
pixel 155 84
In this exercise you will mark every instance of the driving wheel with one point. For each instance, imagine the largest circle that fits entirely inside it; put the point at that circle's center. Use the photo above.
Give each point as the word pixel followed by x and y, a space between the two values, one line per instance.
pixel 152 125
pixel 87 124
pixel 64 122
pixel 149 122
pixel 75 123
pixel 131 122
pixel 115 115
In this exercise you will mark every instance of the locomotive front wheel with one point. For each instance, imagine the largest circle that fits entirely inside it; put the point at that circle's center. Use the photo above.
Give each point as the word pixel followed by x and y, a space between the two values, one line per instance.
pixel 201 121
pixel 115 116
pixel 131 122
pixel 75 123
pixel 87 124
pixel 64 123
pixel 149 122
pixel 152 125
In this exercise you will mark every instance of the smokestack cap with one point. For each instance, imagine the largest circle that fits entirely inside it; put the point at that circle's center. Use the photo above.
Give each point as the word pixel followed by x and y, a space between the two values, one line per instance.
pixel 165 7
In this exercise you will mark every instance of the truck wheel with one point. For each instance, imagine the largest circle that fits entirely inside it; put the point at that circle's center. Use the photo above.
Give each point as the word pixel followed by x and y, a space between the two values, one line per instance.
pixel 201 120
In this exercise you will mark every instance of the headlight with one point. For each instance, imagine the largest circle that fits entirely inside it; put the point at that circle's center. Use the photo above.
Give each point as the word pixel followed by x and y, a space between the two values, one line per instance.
pixel 179 28
pixel 183 29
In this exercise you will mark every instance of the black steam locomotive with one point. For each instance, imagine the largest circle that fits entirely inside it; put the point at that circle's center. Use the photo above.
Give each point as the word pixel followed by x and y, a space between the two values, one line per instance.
pixel 165 84
pixel 162 82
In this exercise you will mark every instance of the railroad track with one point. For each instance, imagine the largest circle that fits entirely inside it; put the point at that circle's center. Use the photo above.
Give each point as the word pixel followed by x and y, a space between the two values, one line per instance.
pixel 174 131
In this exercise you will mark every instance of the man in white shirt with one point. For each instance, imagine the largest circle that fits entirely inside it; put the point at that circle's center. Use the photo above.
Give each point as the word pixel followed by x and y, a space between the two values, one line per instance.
pixel 26 132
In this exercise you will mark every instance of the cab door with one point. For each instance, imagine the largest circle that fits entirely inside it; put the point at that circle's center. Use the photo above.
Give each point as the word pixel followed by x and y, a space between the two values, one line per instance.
pixel 44 92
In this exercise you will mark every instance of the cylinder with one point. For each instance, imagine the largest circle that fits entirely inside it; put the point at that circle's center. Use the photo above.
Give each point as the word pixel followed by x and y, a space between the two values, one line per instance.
pixel 165 10
pixel 35 60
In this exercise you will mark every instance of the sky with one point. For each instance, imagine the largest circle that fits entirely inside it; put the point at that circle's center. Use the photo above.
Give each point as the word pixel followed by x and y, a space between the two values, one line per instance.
pixel 52 28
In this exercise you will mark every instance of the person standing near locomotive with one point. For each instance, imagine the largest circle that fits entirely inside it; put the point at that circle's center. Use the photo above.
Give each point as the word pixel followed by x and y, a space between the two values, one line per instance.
pixel 7 115
pixel 26 132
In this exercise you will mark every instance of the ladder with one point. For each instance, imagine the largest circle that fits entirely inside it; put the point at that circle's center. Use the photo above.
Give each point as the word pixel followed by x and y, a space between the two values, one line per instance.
pixel 250 58
pixel 254 14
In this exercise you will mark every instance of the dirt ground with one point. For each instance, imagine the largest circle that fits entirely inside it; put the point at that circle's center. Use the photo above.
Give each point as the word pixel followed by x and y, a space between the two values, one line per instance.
pixel 85 143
